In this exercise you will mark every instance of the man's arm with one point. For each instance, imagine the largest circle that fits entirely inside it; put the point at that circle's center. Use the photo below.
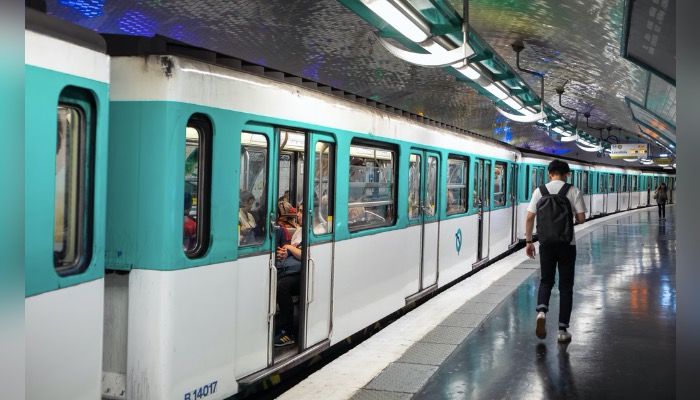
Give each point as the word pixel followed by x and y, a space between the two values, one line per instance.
pixel 580 217
pixel 529 226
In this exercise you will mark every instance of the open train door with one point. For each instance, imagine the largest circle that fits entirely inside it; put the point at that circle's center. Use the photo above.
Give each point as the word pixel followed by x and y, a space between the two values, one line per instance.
pixel 319 186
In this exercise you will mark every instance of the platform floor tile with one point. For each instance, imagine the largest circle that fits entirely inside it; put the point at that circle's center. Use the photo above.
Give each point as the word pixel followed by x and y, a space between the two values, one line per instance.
pixel 402 377
pixel 427 353
pixel 367 394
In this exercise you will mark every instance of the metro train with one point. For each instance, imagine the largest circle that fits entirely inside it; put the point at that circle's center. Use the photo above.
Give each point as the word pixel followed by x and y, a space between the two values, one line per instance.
pixel 133 306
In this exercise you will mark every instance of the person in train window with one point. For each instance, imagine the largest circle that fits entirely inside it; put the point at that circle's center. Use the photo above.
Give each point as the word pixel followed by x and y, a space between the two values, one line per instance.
pixel 661 196
pixel 288 266
pixel 356 193
pixel 190 225
pixel 551 256
pixel 246 221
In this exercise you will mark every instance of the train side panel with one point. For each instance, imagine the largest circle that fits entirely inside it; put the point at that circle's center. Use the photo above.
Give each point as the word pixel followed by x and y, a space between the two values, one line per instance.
pixel 64 299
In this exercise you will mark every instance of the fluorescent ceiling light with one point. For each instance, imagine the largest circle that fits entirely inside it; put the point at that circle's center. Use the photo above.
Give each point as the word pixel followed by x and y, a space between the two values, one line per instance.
pixel 496 91
pixel 396 19
pixel 469 72
pixel 512 103
pixel 569 138
pixel 629 159
pixel 663 155
pixel 589 149
pixel 558 129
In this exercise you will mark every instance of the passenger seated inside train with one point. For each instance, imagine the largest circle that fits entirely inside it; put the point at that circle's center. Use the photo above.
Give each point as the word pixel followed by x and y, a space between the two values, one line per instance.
pixel 246 221
pixel 190 225
pixel 288 265
pixel 283 204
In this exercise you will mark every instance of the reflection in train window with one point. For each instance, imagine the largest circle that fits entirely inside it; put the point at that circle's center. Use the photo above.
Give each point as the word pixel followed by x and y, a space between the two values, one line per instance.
pixel 456 185
pixel 414 177
pixel 252 214
pixel 73 187
pixel 584 183
pixel 324 182
pixel 499 184
pixel 195 236
pixel 371 188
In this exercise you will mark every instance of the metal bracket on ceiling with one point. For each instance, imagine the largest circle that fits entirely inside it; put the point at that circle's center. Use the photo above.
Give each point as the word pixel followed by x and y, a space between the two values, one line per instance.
pixel 542 115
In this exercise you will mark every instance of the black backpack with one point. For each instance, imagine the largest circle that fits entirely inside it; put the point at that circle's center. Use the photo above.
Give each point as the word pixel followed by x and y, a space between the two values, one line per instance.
pixel 555 218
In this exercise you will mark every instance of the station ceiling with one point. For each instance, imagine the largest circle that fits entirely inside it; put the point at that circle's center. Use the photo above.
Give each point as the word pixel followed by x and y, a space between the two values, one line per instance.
pixel 598 51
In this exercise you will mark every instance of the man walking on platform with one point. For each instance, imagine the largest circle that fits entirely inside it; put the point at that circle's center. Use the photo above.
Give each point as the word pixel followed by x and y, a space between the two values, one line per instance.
pixel 555 205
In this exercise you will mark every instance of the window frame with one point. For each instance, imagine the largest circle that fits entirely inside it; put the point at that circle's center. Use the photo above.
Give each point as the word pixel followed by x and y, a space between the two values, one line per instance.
pixel 204 126
pixel 391 204
pixel 464 184
pixel 84 102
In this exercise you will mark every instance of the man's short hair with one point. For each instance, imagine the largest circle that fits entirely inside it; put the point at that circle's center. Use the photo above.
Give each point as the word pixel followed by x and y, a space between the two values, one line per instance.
pixel 558 167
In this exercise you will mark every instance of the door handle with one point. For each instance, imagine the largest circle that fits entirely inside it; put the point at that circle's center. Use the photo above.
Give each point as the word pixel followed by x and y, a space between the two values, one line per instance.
pixel 273 225
pixel 312 278
pixel 273 291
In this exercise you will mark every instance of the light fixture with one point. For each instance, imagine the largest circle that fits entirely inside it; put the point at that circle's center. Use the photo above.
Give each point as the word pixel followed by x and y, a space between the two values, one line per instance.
pixel 628 159
pixel 512 103
pixel 394 17
pixel 571 138
pixel 663 155
pixel 496 91
pixel 589 149
pixel 469 72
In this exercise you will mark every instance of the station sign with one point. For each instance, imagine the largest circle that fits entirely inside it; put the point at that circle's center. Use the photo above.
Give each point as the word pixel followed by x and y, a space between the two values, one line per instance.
pixel 633 150
pixel 663 161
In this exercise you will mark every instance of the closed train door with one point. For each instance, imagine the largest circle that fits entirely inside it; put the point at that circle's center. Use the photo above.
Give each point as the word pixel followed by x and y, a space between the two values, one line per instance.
pixel 514 204
pixel 482 202
pixel 423 211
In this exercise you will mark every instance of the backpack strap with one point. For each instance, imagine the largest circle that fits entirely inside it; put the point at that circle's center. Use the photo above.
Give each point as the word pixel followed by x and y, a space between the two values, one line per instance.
pixel 564 188
pixel 543 190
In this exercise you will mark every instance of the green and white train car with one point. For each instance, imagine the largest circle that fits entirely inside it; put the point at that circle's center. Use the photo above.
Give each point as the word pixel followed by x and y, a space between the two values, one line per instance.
pixel 67 87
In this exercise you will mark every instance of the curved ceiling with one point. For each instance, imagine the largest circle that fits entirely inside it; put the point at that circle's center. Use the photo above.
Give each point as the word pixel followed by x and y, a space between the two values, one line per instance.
pixel 576 44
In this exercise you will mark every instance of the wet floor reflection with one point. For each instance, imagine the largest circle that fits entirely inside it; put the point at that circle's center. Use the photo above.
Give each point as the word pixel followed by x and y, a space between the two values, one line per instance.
pixel 623 326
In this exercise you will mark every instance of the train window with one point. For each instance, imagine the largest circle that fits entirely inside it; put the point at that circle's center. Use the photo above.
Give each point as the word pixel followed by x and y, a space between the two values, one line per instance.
pixel 634 183
pixel 431 189
pixel 195 237
pixel 611 183
pixel 73 191
pixel 602 183
pixel 371 187
pixel 414 172
pixel 623 186
pixel 499 184
pixel 533 181
pixel 323 188
pixel 456 185
pixel 584 183
pixel 252 211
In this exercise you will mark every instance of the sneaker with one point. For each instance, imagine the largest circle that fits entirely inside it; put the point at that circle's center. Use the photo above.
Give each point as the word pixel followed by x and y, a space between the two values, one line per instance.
pixel 541 330
pixel 564 336
pixel 284 339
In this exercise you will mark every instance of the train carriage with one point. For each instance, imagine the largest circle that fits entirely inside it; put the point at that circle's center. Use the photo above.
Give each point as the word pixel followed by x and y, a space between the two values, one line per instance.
pixel 67 86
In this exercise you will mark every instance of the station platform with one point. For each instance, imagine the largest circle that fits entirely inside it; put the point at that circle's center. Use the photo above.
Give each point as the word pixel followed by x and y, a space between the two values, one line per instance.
pixel 476 340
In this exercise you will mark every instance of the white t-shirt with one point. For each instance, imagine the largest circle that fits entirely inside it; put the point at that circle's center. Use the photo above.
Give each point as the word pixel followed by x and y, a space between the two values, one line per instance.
pixel 574 196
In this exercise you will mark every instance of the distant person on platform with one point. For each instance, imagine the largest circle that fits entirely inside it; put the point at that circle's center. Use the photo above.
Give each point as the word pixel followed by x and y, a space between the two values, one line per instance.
pixel 661 196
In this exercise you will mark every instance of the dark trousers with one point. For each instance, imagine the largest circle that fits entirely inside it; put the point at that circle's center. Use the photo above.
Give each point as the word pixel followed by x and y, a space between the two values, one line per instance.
pixel 552 257
pixel 662 210
pixel 287 286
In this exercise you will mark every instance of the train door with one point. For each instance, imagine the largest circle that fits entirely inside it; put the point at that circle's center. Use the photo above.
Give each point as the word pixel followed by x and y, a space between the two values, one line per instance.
pixel 319 228
pixel 301 211
pixel 512 195
pixel 603 185
pixel 482 201
pixel 423 210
